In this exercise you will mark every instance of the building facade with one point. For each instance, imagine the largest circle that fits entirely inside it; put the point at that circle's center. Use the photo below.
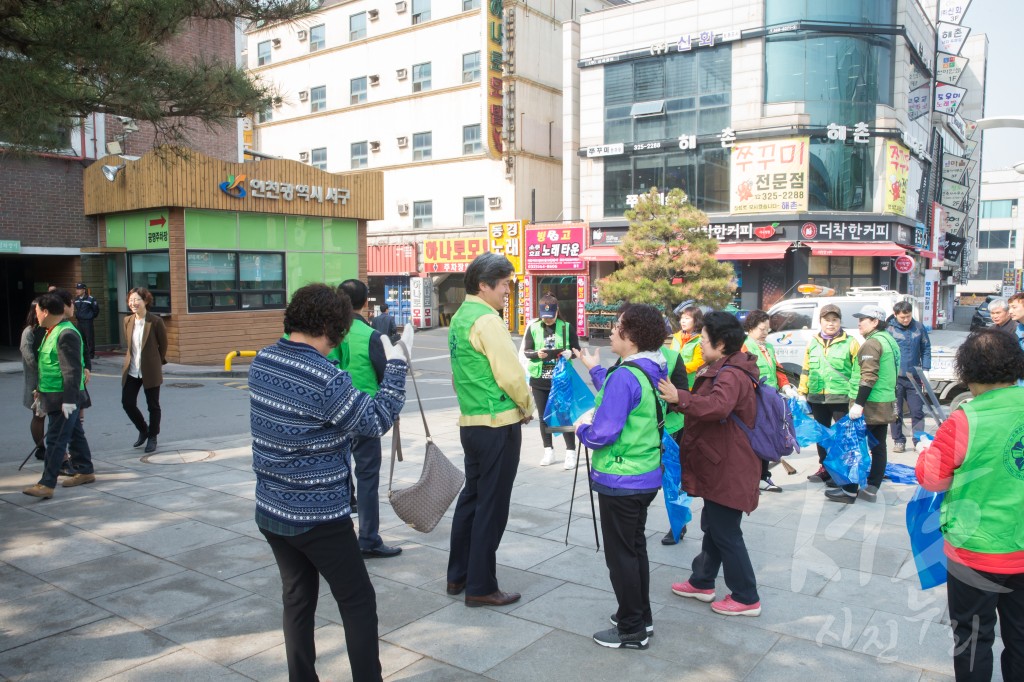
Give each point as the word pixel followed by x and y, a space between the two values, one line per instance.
pixel 999 248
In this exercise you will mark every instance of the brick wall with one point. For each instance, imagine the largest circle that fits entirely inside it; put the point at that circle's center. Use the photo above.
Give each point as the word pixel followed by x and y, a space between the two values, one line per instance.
pixel 41 202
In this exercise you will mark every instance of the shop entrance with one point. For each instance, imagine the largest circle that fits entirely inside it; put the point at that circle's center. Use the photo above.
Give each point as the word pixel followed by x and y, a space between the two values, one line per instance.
pixel 564 289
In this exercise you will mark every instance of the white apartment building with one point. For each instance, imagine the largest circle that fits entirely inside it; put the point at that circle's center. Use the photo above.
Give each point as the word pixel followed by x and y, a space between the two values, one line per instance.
pixel 1000 237
pixel 458 102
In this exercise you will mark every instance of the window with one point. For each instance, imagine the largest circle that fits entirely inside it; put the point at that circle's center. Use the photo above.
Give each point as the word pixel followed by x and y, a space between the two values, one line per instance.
pixel 1002 208
pixel 471 143
pixel 265 116
pixel 992 269
pixel 421 77
pixel 472 211
pixel 421 146
pixel 317 98
pixel 471 67
pixel 228 280
pixel 997 239
pixel 318 158
pixel 153 271
pixel 357 90
pixel 317 38
pixel 841 273
pixel 703 174
pixel 423 214
pixel 357 26
pixel 263 53
pixel 847 11
pixel 470 4
pixel 420 11
pixel 358 155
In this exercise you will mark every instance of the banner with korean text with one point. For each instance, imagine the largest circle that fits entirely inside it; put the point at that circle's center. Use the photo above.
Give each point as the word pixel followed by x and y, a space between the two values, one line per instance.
pixel 769 176
pixel 897 176
pixel 451 255
pixel 556 248
pixel 507 239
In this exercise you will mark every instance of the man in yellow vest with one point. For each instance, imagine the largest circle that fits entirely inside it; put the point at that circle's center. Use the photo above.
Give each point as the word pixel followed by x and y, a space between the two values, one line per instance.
pixel 61 394
pixel 494 403
pixel 363 357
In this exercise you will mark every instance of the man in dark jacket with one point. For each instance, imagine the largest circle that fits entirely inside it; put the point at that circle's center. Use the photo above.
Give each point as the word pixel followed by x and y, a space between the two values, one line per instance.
pixel 385 323
pixel 1001 320
pixel 86 310
pixel 915 350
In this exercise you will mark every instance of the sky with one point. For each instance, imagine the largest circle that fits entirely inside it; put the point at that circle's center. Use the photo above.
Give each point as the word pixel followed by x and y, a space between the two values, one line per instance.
pixel 1001 20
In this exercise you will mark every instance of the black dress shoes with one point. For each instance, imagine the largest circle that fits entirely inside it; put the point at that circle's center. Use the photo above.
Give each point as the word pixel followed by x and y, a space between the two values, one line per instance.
pixel 498 598
pixel 841 496
pixel 151 444
pixel 455 588
pixel 382 552
pixel 142 439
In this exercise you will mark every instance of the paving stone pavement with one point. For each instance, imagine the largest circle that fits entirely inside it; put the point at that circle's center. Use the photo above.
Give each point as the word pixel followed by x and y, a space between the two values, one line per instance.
pixel 158 572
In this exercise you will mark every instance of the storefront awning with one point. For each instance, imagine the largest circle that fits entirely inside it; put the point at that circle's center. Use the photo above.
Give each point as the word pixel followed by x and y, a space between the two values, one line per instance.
pixel 755 251
pixel 390 259
pixel 855 249
pixel 601 253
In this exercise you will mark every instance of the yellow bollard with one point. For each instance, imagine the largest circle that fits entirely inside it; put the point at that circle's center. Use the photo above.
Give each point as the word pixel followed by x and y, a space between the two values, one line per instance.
pixel 237 354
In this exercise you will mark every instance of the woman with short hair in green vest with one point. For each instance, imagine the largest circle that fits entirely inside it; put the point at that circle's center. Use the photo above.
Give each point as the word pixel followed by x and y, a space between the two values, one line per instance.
pixel 873 396
pixel 978 459
pixel 625 439
pixel 547 339
pixel 757 327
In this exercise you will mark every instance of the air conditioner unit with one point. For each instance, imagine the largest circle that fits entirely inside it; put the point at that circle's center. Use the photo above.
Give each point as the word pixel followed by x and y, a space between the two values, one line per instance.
pixel 494 202
pixel 401 73
pixel 372 14
pixel 374 79
pixel 276 42
pixel 245 52
pixel 403 141
pixel 302 36
pixel 303 95
pixel 374 146
pixel 400 6
pixel 403 209
pixel 303 156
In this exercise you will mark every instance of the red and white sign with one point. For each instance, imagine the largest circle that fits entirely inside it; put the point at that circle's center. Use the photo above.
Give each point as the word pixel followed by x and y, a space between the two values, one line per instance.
pixel 555 248
pixel 765 231
pixel 809 231
pixel 582 287
pixel 904 264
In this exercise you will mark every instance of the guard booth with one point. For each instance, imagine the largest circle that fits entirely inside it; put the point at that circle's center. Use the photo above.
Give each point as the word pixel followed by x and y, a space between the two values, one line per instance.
pixel 222 246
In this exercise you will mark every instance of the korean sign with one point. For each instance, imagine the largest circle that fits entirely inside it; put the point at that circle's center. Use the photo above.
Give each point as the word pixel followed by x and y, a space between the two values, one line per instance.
pixel 556 247
pixel 507 240
pixel 156 233
pixel 947 98
pixel 953 10
pixel 950 37
pixel 769 175
pixel 234 186
pixel 452 255
pixel 581 305
pixel 953 194
pixel 897 176
pixel 953 167
pixel 950 68
pixel 495 114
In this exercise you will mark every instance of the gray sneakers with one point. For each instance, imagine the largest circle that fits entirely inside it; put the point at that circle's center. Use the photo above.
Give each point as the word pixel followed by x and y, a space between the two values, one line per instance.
pixel 615 640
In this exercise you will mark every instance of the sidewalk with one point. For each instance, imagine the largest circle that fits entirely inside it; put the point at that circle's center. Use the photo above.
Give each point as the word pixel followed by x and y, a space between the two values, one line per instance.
pixel 157 572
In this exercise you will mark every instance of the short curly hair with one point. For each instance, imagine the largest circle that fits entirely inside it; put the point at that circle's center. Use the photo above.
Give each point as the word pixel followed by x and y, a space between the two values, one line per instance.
pixel 754 318
pixel 989 356
pixel 643 325
pixel 319 310
pixel 724 328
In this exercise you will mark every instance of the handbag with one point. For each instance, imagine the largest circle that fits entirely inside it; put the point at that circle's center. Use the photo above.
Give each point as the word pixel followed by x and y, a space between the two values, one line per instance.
pixel 422 504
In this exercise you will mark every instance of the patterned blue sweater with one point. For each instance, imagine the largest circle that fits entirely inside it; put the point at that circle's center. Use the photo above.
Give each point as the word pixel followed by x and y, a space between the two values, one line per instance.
pixel 302 412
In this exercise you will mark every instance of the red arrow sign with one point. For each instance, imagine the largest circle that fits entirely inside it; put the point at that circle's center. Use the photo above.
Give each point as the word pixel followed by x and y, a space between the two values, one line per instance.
pixel 159 221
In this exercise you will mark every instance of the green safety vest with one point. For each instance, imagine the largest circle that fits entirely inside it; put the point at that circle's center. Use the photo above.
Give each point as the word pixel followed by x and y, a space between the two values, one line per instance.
pixel 673 420
pixel 355 357
pixel 638 448
pixel 884 390
pixel 50 378
pixel 829 368
pixel 561 337
pixel 686 352
pixel 477 391
pixel 982 508
pixel 766 367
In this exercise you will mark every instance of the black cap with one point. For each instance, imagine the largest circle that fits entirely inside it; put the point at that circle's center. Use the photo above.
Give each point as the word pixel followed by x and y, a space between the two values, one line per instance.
pixel 80 286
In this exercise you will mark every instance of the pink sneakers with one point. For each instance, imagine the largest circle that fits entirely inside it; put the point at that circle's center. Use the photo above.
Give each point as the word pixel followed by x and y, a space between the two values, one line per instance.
pixel 688 590
pixel 731 607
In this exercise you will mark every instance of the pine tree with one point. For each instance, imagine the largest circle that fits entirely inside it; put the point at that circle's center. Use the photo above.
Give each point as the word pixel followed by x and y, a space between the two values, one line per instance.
pixel 666 244
pixel 61 60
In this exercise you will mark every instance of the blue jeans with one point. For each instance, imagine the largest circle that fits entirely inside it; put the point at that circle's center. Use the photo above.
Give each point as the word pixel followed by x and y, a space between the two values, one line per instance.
pixel 905 391
pixel 63 434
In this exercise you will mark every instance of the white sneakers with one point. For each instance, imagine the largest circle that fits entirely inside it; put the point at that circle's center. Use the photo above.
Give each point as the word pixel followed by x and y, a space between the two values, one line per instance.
pixel 548 458
pixel 570 460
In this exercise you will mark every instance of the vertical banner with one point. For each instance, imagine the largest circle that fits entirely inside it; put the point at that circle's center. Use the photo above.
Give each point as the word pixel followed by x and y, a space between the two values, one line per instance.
pixel 421 301
pixel 931 292
pixel 526 302
pixel 581 304
pixel 769 175
pixel 494 56
pixel 897 176
pixel 507 240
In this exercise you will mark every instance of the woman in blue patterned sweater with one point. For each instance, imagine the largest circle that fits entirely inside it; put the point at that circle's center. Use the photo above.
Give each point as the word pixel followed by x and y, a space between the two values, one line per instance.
pixel 303 411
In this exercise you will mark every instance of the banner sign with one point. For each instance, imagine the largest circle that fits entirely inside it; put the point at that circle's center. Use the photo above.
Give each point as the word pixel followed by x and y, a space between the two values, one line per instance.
pixel 953 167
pixel 506 239
pixel 948 98
pixel 953 11
pixel 421 302
pixel 958 126
pixel 556 247
pixel 582 287
pixel 920 101
pixel 952 221
pixel 972 127
pixel 452 255
pixel 931 293
pixel 769 175
pixel 607 236
pixel 954 247
pixel 970 146
pixel 953 194
pixel 950 67
pixel 493 79
pixel 897 176
pixel 950 38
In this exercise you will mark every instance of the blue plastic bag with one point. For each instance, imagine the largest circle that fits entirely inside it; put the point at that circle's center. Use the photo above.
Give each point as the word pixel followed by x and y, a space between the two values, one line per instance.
pixel 677 502
pixel 570 396
pixel 848 459
pixel 926 541
pixel 808 430
pixel 900 473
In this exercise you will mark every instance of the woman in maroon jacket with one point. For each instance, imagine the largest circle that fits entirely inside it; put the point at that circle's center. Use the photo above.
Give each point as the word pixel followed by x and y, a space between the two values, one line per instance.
pixel 719 465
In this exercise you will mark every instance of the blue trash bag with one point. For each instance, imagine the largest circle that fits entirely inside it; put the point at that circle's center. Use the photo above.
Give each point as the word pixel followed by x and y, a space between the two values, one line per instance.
pixel 677 502
pixel 926 539
pixel 570 396
pixel 848 459
pixel 808 430
pixel 900 473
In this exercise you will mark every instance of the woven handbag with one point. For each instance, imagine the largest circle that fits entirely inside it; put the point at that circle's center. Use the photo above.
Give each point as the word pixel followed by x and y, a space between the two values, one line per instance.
pixel 422 504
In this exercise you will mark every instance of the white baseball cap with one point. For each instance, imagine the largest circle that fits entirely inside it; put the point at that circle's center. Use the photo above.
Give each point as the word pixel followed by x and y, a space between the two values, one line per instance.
pixel 871 312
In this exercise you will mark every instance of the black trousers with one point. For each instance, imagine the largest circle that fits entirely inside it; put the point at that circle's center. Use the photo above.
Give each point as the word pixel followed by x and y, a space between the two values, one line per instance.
pixel 905 391
pixel 827 414
pixel 130 400
pixel 366 458
pixel 975 597
pixel 879 456
pixel 330 550
pixel 88 336
pixel 491 461
pixel 723 547
pixel 540 396
pixel 623 522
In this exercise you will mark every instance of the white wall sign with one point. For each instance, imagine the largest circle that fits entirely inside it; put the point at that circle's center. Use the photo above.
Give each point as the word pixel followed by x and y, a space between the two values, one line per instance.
pixel 953 194
pixel 950 67
pixel 920 101
pixel 953 167
pixel 948 98
pixel 952 221
pixel 953 11
pixel 958 127
pixel 605 150
pixel 950 37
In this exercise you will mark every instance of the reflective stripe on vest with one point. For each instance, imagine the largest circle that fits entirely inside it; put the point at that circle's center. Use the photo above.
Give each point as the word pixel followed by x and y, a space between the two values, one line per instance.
pixel 475 388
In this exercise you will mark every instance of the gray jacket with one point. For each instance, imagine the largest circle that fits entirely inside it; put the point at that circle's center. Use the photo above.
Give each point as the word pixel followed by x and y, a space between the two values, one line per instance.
pixel 31 337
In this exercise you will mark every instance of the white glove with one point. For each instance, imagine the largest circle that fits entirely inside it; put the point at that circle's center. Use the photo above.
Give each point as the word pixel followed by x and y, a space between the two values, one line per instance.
pixel 924 443
pixel 585 418
pixel 856 411
pixel 789 391
pixel 394 351
pixel 567 354
pixel 68 409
